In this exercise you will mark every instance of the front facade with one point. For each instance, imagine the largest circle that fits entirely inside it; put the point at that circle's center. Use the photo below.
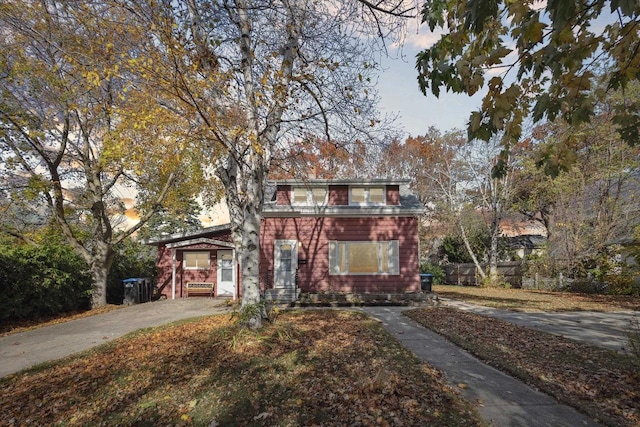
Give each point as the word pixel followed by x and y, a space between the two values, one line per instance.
pixel 352 236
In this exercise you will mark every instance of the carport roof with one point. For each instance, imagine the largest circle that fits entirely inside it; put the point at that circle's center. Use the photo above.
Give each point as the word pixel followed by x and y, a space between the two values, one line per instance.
pixel 188 235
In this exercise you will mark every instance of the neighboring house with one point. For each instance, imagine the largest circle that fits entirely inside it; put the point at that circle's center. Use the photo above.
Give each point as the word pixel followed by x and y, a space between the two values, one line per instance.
pixel 526 245
pixel 318 235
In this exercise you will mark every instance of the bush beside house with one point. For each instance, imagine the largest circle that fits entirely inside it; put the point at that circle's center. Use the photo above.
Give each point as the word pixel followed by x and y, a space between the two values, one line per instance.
pixel 42 280
pixel 50 278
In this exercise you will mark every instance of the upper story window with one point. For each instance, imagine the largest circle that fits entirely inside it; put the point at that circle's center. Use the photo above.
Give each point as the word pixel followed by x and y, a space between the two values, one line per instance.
pixel 309 196
pixel 367 196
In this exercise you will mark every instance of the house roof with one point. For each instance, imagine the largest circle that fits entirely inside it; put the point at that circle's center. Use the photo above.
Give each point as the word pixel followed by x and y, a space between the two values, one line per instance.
pixel 527 241
pixel 187 235
pixel 352 181
pixel 409 205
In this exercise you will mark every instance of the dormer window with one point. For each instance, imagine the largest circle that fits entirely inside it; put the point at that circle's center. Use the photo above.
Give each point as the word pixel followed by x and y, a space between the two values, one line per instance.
pixel 302 196
pixel 299 196
pixel 367 196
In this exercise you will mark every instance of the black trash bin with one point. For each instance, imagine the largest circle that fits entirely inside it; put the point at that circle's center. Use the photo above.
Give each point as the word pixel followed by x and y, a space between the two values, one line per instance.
pixel 426 280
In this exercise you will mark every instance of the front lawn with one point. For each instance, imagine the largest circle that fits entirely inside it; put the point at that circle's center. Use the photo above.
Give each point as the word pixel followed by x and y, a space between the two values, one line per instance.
pixel 306 368
pixel 600 382
pixel 531 300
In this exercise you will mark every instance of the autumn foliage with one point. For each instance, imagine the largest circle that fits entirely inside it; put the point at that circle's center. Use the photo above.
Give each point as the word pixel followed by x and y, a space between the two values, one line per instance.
pixel 305 368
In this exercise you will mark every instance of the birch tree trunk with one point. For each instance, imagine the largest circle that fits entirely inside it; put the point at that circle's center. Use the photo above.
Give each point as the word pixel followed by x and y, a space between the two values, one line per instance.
pixel 470 251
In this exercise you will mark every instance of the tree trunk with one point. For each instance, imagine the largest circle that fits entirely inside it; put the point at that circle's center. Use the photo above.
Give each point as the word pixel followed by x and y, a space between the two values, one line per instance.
pixel 100 264
pixel 493 251
pixel 467 245
pixel 245 198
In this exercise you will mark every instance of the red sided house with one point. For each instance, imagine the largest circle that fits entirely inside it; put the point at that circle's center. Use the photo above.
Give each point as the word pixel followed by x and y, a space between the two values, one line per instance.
pixel 352 236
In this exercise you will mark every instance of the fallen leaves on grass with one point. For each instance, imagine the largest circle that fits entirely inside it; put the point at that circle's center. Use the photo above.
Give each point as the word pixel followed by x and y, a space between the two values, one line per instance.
pixel 600 382
pixel 532 300
pixel 306 368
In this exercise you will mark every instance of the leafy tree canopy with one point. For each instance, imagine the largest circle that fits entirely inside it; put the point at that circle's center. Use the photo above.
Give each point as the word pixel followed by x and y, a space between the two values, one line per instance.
pixel 536 59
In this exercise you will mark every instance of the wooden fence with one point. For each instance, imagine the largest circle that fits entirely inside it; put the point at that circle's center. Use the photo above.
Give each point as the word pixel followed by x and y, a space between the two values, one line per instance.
pixel 466 274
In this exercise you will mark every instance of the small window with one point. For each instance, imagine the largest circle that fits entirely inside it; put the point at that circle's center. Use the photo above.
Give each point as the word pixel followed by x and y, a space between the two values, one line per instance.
pixel 319 196
pixel 226 268
pixel 196 260
pixel 303 196
pixel 376 196
pixel 358 196
pixel 300 196
pixel 368 196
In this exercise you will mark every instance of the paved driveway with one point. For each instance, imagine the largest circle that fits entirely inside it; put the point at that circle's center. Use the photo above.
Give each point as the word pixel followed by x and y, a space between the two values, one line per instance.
pixel 26 349
pixel 606 330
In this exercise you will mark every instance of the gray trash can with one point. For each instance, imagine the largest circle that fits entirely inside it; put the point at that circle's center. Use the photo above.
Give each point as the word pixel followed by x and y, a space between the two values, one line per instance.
pixel 137 290
pixel 426 280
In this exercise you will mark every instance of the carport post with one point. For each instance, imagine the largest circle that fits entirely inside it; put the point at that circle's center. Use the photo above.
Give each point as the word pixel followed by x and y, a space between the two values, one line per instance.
pixel 235 271
pixel 173 275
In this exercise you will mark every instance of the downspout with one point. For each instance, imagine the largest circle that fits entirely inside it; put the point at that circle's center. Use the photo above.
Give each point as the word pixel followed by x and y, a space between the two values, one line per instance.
pixel 173 274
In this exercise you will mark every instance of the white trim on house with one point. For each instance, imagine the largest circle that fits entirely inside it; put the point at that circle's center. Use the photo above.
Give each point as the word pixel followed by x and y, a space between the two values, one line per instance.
pixel 287 211
pixel 173 274
pixel 356 182
pixel 199 241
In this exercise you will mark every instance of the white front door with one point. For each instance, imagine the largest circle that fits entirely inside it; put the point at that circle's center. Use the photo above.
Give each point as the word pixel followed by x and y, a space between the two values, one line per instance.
pixel 226 274
pixel 285 261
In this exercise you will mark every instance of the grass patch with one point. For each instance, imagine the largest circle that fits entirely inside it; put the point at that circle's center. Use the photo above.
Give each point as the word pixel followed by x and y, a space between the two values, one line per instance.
pixel 305 368
pixel 599 382
pixel 531 300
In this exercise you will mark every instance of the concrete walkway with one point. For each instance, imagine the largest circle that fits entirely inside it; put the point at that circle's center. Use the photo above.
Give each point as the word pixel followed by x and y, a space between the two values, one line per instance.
pixel 30 348
pixel 501 400
pixel 606 330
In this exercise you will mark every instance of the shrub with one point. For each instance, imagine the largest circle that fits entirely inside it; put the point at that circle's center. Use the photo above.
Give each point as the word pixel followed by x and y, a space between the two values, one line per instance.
pixel 42 280
pixel 439 275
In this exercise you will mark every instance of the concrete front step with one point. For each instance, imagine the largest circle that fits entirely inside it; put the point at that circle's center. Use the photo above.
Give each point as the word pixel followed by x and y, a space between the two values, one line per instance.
pixel 281 294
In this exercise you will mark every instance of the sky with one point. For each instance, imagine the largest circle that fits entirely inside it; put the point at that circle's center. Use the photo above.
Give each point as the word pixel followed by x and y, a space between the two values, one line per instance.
pixel 399 91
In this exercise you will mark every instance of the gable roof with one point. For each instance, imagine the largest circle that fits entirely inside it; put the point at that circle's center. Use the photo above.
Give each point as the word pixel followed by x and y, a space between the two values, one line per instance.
pixel 191 236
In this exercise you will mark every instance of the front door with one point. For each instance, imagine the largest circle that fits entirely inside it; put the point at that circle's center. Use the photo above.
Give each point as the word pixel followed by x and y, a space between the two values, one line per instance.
pixel 226 274
pixel 285 261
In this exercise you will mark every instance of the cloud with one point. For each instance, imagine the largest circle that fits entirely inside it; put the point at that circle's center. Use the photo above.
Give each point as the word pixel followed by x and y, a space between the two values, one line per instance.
pixel 423 38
